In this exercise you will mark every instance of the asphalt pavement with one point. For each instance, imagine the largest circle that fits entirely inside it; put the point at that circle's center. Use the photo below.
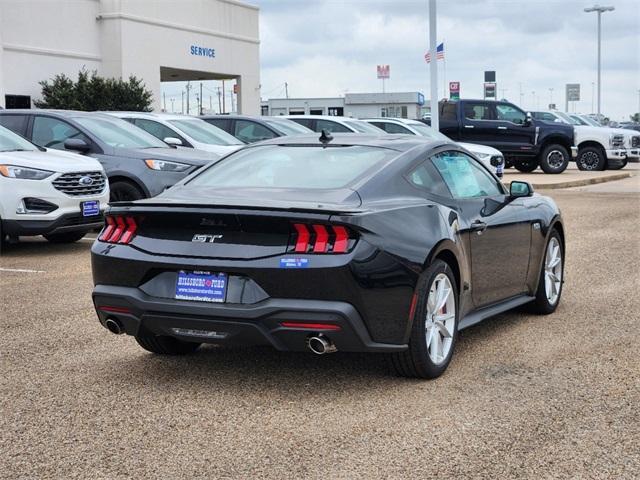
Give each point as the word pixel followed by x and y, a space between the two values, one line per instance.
pixel 524 397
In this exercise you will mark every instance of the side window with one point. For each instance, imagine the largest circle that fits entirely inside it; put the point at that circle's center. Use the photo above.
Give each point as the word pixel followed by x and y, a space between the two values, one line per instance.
pixel 509 113
pixel 222 123
pixel 477 111
pixel 305 122
pixel 464 176
pixel 427 177
pixel 157 129
pixel 15 123
pixel 52 132
pixel 330 126
pixel 448 112
pixel 252 132
pixel 395 128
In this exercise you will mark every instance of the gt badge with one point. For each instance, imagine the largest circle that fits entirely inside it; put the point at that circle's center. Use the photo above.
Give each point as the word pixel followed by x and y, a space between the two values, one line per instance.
pixel 205 238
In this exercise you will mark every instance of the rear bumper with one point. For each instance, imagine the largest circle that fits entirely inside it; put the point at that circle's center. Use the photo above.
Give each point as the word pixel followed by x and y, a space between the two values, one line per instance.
pixel 236 324
pixel 65 223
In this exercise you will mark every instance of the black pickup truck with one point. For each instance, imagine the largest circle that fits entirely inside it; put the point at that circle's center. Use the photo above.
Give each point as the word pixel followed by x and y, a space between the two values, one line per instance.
pixel 526 143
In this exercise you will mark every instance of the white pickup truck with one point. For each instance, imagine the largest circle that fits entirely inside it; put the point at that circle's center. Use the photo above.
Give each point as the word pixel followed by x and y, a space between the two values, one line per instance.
pixel 599 147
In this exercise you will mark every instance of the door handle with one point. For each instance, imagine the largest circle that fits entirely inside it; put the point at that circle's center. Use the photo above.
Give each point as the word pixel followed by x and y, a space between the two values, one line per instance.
pixel 469 126
pixel 502 128
pixel 478 227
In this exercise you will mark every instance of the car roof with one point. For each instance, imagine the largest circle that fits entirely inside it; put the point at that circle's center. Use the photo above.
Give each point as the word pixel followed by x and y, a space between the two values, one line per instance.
pixel 58 113
pixel 400 143
pixel 335 118
pixel 404 121
pixel 156 115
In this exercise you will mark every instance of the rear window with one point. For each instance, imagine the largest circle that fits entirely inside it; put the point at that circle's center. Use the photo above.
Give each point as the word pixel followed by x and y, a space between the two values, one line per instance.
pixel 276 166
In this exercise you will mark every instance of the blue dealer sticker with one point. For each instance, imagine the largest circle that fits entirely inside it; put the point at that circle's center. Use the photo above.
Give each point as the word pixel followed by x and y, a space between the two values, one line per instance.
pixel 294 262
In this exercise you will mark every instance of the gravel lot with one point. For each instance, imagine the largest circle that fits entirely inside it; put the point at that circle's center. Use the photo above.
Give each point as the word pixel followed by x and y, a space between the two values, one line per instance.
pixel 525 396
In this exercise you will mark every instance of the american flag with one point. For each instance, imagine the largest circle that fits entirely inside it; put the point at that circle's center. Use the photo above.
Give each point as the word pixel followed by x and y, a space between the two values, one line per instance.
pixel 439 53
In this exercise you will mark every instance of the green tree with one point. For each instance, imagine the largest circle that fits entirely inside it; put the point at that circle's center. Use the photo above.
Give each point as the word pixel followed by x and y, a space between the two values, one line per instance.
pixel 635 117
pixel 92 92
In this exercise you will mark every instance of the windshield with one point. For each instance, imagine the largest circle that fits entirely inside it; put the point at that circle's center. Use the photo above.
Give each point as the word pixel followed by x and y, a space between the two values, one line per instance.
pixel 204 132
pixel 578 120
pixel 297 167
pixel 589 121
pixel 364 127
pixel 427 131
pixel 287 127
pixel 118 133
pixel 10 142
pixel 567 118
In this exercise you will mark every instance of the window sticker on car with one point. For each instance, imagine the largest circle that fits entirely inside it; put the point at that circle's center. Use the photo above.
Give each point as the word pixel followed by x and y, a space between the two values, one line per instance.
pixel 294 262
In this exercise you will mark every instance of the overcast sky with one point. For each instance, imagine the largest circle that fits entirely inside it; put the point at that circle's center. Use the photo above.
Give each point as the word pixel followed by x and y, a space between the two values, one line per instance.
pixel 330 47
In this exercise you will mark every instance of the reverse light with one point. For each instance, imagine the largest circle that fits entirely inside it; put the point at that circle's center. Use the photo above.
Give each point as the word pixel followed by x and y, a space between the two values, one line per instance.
pixel 118 229
pixel 319 238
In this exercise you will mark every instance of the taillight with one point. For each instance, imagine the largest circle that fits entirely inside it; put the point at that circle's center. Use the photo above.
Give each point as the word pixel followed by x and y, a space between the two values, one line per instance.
pixel 118 229
pixel 319 238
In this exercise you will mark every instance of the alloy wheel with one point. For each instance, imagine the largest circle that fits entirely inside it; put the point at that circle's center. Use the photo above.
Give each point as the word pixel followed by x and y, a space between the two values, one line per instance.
pixel 441 319
pixel 555 159
pixel 590 160
pixel 553 271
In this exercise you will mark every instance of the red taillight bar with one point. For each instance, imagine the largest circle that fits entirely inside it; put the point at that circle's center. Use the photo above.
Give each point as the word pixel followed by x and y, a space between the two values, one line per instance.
pixel 303 237
pixel 319 238
pixel 119 229
pixel 111 309
pixel 312 326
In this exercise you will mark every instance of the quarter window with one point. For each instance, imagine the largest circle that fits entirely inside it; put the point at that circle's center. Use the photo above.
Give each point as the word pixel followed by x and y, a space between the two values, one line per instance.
pixel 52 133
pixel 427 178
pixel 251 132
pixel 15 123
pixel 464 176
pixel 509 113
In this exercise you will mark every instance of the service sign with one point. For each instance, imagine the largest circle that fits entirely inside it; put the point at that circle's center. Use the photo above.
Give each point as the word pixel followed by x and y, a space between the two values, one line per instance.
pixel 573 92
pixel 383 71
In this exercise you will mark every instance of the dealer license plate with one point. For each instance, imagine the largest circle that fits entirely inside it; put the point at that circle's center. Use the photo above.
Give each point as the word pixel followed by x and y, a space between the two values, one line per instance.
pixel 90 208
pixel 201 286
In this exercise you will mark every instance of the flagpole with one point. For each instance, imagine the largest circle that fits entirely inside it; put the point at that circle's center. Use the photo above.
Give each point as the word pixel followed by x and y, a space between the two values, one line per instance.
pixel 433 66
pixel 444 71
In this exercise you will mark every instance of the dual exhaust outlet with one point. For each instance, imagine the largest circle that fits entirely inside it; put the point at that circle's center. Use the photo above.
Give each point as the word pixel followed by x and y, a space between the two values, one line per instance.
pixel 318 344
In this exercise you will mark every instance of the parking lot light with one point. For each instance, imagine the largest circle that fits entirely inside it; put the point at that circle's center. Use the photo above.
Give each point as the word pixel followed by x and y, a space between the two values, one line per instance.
pixel 600 10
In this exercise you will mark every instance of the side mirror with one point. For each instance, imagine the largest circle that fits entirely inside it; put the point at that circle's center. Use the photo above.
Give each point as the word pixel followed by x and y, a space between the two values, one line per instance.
pixel 520 189
pixel 77 145
pixel 528 119
pixel 173 141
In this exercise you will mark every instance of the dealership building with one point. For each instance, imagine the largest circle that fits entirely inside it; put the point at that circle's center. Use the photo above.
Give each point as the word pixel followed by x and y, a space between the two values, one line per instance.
pixel 357 105
pixel 157 41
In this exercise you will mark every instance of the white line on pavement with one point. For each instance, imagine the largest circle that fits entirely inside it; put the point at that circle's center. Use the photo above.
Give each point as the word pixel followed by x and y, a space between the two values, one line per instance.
pixel 21 270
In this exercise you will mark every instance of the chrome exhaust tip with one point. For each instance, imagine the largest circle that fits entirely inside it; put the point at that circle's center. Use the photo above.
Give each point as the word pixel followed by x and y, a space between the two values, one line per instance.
pixel 319 344
pixel 114 326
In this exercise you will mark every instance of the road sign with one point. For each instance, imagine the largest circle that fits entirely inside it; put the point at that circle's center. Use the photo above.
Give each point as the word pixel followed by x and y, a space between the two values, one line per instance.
pixel 490 90
pixel 573 92
pixel 490 76
pixel 383 71
pixel 454 90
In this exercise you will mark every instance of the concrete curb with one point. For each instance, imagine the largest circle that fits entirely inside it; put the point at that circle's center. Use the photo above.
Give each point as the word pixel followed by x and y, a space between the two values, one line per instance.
pixel 578 182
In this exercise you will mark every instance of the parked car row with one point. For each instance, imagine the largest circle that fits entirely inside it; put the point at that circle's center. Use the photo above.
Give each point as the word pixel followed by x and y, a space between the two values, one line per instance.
pixel 599 147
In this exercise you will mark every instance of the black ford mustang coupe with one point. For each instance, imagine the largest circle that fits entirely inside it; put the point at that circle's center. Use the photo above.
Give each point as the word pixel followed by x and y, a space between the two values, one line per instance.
pixel 355 243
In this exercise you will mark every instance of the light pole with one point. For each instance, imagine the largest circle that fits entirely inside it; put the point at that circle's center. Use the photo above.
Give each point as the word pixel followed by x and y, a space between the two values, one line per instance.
pixel 550 97
pixel 600 10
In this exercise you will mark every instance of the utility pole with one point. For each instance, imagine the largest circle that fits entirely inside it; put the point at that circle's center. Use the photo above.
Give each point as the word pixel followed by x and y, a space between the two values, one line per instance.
pixel 198 102
pixel 433 66
pixel 219 102
pixel 600 10
pixel 286 89
pixel 182 103
pixel 172 99
pixel 224 100
pixel 164 101
pixel 210 105
pixel 188 88
pixel 200 99
pixel 521 94
pixel 551 96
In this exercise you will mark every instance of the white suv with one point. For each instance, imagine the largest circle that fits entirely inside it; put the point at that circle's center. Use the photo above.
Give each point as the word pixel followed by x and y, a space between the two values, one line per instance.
pixel 57 194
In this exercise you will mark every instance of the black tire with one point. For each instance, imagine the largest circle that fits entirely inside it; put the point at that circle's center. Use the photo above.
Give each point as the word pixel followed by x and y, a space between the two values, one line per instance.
pixel 66 237
pixel 123 191
pixel 554 159
pixel 617 164
pixel 508 162
pixel 525 165
pixel 415 361
pixel 166 345
pixel 591 159
pixel 541 304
